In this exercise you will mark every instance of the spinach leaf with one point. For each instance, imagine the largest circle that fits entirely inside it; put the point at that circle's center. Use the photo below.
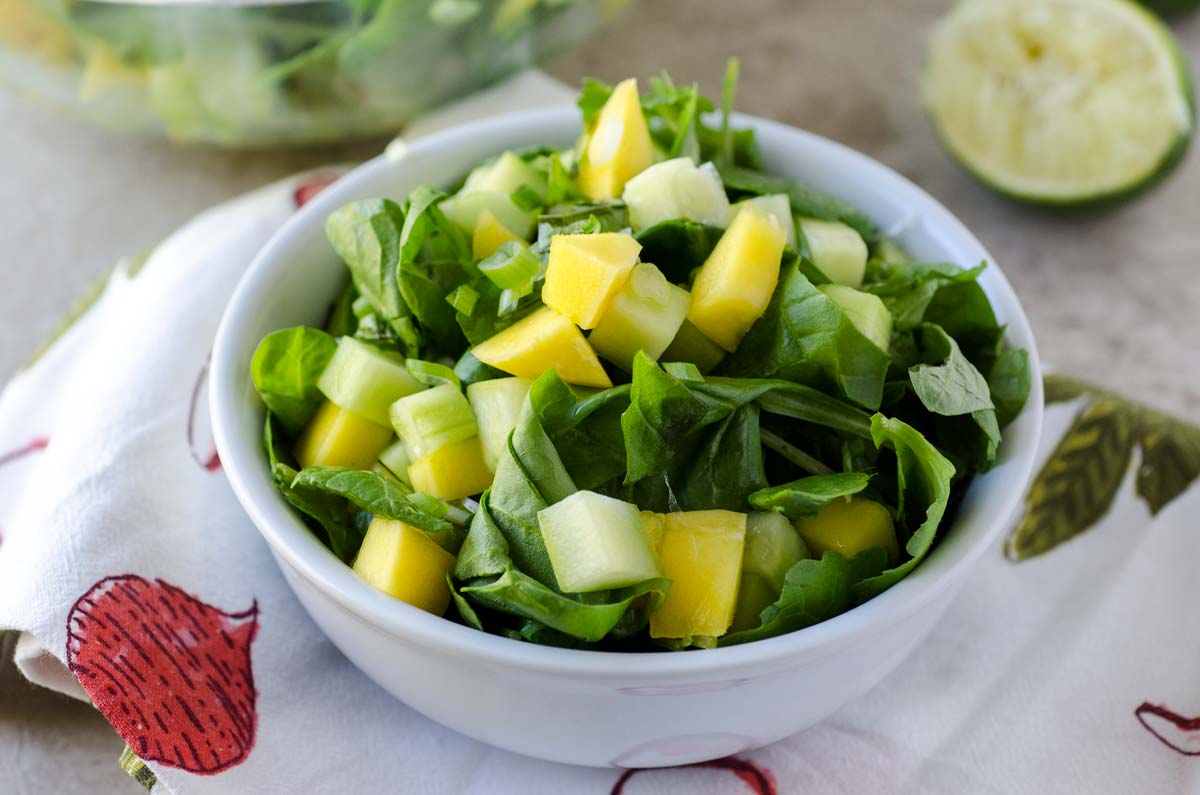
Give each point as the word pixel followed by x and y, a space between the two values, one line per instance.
pixel 285 369
pixel 908 288
pixel 678 247
pixel 807 338
pixel 727 466
pixel 953 386
pixel 366 235
pixel 583 218
pixel 1010 382
pixel 814 591
pixel 586 432
pixel 377 495
pixel 432 253
pixel 673 115
pixel 806 201
pixel 333 515
pixel 802 498
pixel 923 477
pixel 342 322
pixel 470 370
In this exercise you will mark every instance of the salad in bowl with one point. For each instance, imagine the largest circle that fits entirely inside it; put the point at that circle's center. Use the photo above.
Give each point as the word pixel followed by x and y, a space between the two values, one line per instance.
pixel 637 394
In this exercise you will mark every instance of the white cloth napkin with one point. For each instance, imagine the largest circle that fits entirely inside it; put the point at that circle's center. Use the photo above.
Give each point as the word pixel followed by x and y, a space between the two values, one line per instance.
pixel 1070 671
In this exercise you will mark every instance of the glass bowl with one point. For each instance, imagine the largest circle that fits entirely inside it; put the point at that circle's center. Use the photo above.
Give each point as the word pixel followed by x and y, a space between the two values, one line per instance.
pixel 263 73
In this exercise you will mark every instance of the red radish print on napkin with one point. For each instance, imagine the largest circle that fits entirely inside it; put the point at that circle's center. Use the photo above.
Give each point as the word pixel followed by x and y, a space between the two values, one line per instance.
pixel 199 426
pixel 1173 730
pixel 169 672
pixel 758 779
pixel 308 189
pixel 34 445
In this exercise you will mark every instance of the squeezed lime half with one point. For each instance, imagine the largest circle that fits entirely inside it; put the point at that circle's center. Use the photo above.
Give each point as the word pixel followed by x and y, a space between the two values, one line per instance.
pixel 1061 102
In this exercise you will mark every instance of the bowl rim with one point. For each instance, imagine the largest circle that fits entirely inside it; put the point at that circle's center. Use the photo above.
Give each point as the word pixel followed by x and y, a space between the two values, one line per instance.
pixel 291 541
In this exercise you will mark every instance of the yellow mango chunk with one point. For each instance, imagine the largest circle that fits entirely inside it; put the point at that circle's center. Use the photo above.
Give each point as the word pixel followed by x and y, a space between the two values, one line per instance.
pixel 489 235
pixel 585 272
pixel 451 472
pixel 403 562
pixel 545 340
pixel 735 283
pixel 619 148
pixel 701 553
pixel 653 524
pixel 849 527
pixel 339 438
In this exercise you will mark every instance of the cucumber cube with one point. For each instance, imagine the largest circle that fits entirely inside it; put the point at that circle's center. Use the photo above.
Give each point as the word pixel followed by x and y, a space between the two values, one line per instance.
pixel 435 418
pixel 508 174
pixel 396 460
pixel 596 543
pixel 866 311
pixel 837 250
pixel 366 380
pixel 772 547
pixel 677 189
pixel 690 345
pixel 645 315
pixel 464 210
pixel 497 405
pixel 776 204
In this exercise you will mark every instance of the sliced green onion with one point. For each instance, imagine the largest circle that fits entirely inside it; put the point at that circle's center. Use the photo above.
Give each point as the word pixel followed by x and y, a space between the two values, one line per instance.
pixel 361 307
pixel 463 299
pixel 526 198
pixel 433 419
pixel 512 266
pixel 432 373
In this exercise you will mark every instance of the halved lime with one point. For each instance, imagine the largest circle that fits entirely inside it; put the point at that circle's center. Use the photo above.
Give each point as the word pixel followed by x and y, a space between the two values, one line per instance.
pixel 1062 102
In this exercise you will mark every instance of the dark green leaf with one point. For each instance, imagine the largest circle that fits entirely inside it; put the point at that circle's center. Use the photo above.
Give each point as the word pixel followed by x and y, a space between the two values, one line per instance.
pixel 678 247
pixel 285 369
pixel 727 466
pixel 802 498
pixel 1010 382
pixel 952 386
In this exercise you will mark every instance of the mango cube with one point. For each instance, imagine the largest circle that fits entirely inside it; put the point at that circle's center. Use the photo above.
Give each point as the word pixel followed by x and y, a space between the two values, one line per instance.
pixel 403 562
pixel 545 340
pixel 451 472
pixel 489 235
pixel 849 527
pixel 735 283
pixel 645 315
pixel 585 272
pixel 339 438
pixel 701 553
pixel 619 148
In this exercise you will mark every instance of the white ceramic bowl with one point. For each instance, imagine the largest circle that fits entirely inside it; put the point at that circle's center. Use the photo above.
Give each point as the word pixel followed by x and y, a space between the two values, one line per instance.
pixel 602 708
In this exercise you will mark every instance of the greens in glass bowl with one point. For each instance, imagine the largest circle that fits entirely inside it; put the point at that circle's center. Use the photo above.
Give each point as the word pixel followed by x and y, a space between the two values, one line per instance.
pixel 635 394
pixel 265 72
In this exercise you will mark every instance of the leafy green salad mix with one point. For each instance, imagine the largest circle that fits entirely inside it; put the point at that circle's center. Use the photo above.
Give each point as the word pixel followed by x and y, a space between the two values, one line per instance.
pixel 636 394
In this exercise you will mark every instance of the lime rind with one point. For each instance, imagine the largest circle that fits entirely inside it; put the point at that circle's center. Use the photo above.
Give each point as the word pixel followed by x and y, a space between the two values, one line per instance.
pixel 1170 70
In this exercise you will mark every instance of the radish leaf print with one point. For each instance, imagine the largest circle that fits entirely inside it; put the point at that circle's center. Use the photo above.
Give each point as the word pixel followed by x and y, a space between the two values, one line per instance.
pixel 1078 483
pixel 171 674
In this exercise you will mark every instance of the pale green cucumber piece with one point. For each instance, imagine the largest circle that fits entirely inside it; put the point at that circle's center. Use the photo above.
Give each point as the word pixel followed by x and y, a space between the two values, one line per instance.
pixel 866 311
pixel 464 209
pixel 891 252
pixel 776 204
pixel 433 419
pixel 836 249
pixel 365 380
pixel 644 315
pixel 676 189
pixel 1060 102
pixel 772 547
pixel 395 459
pixel 690 345
pixel 497 404
pixel 596 543
pixel 508 174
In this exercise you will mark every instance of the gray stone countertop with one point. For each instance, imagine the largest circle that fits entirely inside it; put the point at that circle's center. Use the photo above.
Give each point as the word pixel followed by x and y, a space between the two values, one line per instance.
pixel 1113 298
